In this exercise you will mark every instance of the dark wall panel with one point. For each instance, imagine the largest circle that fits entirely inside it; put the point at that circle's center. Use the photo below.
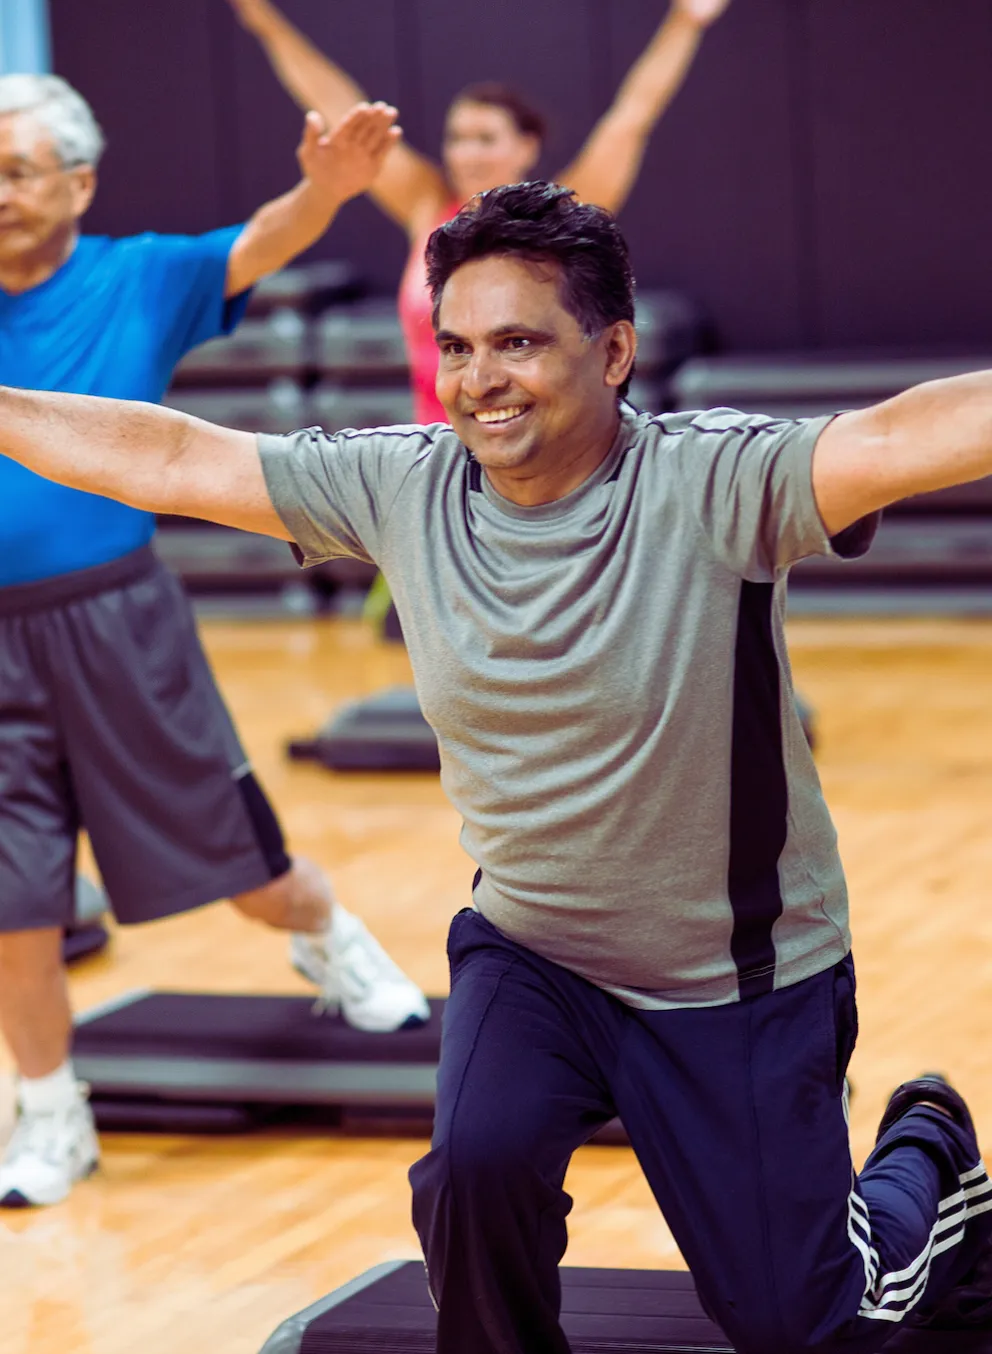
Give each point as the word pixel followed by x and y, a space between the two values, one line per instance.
pixel 901 118
pixel 150 73
pixel 715 210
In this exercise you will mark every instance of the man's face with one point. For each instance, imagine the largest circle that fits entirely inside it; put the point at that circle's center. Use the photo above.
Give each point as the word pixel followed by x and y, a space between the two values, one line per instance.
pixel 39 198
pixel 521 383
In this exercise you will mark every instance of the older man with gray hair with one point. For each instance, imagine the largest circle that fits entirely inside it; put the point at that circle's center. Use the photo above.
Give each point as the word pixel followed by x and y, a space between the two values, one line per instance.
pixel 109 715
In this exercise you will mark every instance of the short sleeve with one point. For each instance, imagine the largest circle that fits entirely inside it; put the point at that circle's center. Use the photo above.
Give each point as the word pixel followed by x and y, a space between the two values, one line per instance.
pixel 750 479
pixel 334 492
pixel 185 280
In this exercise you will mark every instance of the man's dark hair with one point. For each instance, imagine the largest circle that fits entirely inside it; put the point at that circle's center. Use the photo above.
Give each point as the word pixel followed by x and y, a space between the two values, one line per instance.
pixel 543 223
pixel 529 121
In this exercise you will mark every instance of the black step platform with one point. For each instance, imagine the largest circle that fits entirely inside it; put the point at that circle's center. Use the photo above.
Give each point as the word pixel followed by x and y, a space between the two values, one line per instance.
pixel 79 942
pixel 190 1062
pixel 389 1310
pixel 214 1048
pixel 604 1311
pixel 383 732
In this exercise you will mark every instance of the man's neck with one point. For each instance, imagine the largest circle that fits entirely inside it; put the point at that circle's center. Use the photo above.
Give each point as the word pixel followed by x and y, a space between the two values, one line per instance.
pixel 32 269
pixel 530 487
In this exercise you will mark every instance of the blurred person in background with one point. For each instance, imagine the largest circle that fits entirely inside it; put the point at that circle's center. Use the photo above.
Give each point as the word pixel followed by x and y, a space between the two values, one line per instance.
pixel 109 715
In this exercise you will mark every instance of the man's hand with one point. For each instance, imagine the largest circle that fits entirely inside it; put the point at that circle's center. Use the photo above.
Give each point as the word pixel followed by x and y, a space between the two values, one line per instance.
pixel 700 12
pixel 346 161
pixel 336 166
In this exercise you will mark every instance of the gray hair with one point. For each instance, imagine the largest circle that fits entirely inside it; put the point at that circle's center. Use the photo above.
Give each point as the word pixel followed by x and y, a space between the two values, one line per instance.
pixel 63 113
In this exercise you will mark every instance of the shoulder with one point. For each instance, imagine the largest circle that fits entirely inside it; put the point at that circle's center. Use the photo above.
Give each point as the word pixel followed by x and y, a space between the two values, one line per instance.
pixel 706 424
pixel 398 448
pixel 151 248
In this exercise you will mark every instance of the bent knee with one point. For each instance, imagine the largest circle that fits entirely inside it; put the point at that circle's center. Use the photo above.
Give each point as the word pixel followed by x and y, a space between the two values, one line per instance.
pixel 485 1152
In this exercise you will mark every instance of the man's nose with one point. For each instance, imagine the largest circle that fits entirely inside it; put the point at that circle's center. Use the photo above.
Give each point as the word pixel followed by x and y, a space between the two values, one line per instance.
pixel 483 374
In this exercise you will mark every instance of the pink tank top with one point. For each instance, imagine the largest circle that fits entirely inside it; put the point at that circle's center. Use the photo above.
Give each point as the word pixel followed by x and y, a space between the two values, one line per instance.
pixel 415 317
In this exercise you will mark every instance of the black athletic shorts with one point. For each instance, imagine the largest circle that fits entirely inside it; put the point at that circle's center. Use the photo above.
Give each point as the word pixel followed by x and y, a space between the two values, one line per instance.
pixel 110 720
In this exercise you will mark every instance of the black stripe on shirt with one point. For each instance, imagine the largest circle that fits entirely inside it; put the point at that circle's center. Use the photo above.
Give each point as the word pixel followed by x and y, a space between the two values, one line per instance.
pixel 759 800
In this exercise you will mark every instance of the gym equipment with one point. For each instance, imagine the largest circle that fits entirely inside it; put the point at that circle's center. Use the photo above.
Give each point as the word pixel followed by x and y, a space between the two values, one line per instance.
pixel 306 288
pixel 195 1062
pixel 384 732
pixel 671 328
pixel 257 352
pixel 86 935
pixel 603 1311
pixel 279 407
pixel 361 344
pixel 156 1054
pixel 389 1308
pixel 332 408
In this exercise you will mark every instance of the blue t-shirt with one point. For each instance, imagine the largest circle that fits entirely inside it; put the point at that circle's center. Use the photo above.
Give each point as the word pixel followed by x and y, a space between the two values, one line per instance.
pixel 114 320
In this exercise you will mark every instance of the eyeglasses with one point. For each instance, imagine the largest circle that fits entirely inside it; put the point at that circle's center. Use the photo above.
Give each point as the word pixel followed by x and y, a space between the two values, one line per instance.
pixel 20 178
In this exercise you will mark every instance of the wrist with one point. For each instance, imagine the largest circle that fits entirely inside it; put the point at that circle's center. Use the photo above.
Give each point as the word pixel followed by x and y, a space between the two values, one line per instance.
pixel 319 202
pixel 688 23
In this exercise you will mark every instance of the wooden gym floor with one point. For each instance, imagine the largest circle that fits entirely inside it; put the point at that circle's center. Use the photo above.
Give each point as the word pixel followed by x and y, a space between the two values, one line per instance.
pixel 205 1244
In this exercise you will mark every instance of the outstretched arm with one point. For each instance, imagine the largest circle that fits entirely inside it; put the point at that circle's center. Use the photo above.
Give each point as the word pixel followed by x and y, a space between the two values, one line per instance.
pixel 410 188
pixel 605 170
pixel 933 436
pixel 140 454
pixel 336 166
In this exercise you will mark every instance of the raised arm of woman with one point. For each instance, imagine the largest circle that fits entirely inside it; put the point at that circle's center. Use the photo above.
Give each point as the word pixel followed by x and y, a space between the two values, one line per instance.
pixel 606 168
pixel 411 188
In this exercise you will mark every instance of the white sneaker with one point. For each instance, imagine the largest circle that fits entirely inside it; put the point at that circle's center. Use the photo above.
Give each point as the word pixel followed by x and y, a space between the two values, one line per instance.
pixel 357 977
pixel 47 1154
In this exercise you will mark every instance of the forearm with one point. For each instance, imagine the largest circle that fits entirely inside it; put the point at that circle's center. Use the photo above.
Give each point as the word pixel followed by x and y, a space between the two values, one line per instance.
pixel 607 167
pixel 656 77
pixel 932 437
pixel 278 232
pixel 308 76
pixel 119 449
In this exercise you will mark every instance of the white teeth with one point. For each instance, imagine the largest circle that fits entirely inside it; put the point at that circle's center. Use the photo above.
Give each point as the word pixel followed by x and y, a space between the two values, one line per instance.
pixel 498 415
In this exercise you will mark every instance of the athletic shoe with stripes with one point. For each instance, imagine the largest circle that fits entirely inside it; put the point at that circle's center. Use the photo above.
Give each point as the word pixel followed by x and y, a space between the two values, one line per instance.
pixel 968 1306
pixel 930 1087
pixel 357 977
pixel 47 1154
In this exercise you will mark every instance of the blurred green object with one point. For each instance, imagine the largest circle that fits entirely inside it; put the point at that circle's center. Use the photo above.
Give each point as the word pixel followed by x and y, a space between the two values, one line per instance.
pixel 378 602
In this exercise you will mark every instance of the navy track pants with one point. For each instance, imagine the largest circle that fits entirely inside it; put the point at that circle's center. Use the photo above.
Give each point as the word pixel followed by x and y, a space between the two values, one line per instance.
pixel 736 1114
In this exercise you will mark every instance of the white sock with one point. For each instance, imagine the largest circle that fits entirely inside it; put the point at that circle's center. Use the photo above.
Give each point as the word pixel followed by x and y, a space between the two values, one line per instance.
pixel 44 1095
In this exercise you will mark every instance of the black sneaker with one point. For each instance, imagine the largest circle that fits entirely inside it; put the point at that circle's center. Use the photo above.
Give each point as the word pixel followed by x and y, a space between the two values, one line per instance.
pixel 930 1087
pixel 968 1306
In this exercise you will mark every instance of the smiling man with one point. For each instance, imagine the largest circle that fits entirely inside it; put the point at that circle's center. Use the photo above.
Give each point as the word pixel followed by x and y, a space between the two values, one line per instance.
pixel 593 601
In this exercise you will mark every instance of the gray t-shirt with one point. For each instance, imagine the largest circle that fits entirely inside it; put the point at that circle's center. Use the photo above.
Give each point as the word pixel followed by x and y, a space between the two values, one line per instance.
pixel 608 681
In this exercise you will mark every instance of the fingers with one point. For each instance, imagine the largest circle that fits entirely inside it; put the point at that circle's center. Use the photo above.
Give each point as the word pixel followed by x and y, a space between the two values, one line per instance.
pixel 367 123
pixel 368 129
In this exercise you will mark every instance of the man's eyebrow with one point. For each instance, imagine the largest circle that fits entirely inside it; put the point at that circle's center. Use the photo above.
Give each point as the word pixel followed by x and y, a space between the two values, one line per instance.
pixel 504 331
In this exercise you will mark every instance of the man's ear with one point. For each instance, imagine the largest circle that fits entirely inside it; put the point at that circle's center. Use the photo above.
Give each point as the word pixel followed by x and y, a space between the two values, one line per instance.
pixel 621 352
pixel 83 181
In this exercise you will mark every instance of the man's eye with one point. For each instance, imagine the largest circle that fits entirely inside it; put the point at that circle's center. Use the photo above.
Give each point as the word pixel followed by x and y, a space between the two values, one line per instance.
pixel 454 350
pixel 519 344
